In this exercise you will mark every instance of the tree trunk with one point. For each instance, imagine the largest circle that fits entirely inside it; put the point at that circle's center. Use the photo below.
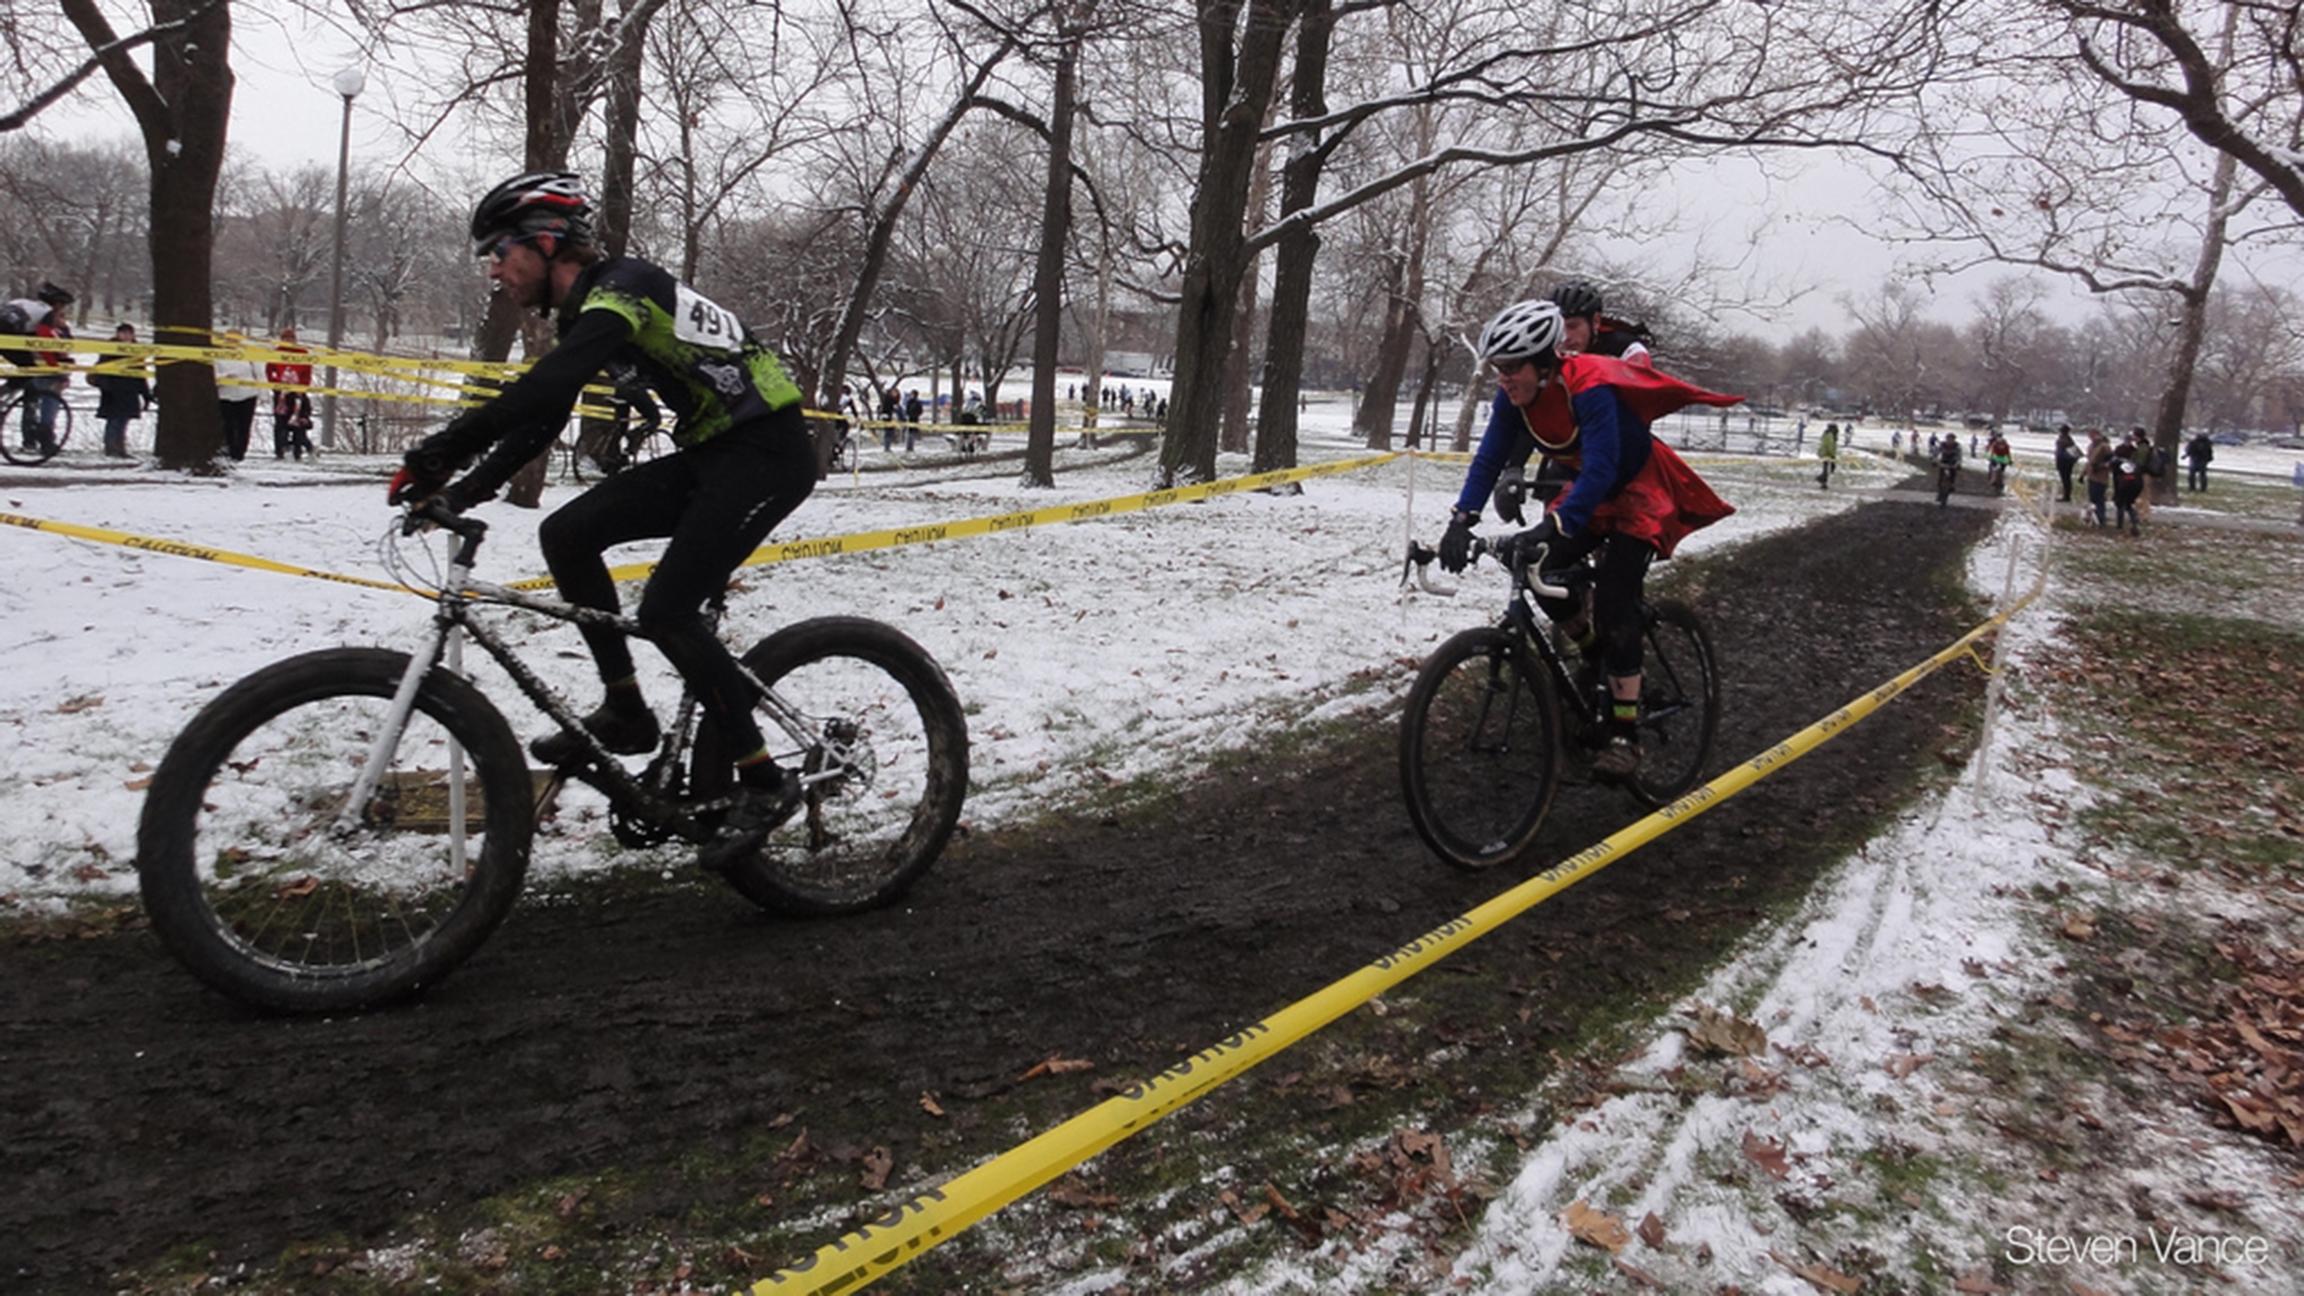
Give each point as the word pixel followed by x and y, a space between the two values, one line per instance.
pixel 1298 249
pixel 1092 390
pixel 1381 395
pixel 1048 275
pixel 1234 91
pixel 1238 382
pixel 883 229
pixel 2191 330
pixel 1425 399
pixel 1478 393
pixel 181 112
pixel 621 124
pixel 546 150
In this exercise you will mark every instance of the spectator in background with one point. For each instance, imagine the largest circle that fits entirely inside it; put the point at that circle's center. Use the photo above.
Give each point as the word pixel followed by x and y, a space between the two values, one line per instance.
pixel 39 315
pixel 2152 463
pixel 121 397
pixel 2127 465
pixel 2198 453
pixel 44 396
pixel 1828 451
pixel 1896 444
pixel 888 405
pixel 912 410
pixel 236 393
pixel 2098 473
pixel 2067 457
pixel 291 402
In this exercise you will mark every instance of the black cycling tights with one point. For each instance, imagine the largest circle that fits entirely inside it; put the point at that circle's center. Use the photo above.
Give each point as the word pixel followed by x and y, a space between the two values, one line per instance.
pixel 717 501
pixel 1615 594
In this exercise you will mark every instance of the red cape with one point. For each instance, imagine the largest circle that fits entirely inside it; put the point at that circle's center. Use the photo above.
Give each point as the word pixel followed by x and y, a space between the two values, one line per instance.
pixel 1647 391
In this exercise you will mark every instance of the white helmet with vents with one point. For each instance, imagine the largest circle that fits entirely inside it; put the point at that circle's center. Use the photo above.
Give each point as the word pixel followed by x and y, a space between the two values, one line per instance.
pixel 1523 331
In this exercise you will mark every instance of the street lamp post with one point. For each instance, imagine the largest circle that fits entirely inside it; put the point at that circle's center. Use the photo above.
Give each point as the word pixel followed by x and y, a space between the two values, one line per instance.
pixel 349 83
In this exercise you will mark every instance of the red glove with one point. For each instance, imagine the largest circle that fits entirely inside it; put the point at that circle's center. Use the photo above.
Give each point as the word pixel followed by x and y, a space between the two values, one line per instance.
pixel 409 486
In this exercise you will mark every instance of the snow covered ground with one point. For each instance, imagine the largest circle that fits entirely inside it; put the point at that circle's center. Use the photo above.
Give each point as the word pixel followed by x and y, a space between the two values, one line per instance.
pixel 1082 653
pixel 1140 644
pixel 1868 1123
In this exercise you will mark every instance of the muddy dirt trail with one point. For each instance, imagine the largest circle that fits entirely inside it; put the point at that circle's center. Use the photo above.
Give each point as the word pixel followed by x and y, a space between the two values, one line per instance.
pixel 140 1113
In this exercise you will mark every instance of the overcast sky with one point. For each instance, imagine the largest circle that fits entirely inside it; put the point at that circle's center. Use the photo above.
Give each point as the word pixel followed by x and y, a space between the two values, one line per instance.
pixel 1806 220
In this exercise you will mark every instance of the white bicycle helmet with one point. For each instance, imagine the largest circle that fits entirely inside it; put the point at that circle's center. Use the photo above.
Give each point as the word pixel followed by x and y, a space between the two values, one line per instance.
pixel 1523 331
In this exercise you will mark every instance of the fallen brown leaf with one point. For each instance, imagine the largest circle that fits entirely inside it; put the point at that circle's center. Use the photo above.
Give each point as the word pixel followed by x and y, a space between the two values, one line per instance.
pixel 1727 1034
pixel 1768 1154
pixel 1901 1065
pixel 929 1105
pixel 1595 1228
pixel 1824 1276
pixel 1652 1231
pixel 877 1164
pixel 1054 1064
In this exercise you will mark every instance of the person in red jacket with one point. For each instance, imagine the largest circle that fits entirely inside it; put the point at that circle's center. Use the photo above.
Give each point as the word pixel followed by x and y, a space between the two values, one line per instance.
pixel 291 404
pixel 1629 495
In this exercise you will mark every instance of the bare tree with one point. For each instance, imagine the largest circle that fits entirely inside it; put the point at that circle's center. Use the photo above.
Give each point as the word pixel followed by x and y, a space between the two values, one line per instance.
pixel 2239 91
pixel 181 110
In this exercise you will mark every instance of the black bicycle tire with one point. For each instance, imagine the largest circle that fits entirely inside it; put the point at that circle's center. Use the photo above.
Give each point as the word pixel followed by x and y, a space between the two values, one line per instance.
pixel 1658 795
pixel 1451 846
pixel 165 845
pixel 10 432
pixel 941 717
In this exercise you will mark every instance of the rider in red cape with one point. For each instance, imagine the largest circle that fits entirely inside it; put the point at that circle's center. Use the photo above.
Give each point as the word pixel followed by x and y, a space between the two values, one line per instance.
pixel 1630 498
pixel 1664 499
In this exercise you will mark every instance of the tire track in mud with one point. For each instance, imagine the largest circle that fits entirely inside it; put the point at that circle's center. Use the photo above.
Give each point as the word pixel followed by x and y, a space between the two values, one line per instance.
pixel 629 1024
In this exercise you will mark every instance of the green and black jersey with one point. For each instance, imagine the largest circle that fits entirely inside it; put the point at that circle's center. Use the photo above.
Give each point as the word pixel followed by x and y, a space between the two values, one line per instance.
pixel 693 351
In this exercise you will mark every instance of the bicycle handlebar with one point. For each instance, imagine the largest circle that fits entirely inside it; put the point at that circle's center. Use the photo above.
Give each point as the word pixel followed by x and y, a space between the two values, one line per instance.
pixel 1525 566
pixel 434 511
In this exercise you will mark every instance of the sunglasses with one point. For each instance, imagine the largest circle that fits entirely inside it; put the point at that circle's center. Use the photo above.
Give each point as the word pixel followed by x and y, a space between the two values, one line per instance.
pixel 1507 368
pixel 495 250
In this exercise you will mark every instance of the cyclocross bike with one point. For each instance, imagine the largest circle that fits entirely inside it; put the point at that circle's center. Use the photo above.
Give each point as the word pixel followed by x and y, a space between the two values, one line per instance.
pixel 345 827
pixel 1947 481
pixel 27 447
pixel 1499 715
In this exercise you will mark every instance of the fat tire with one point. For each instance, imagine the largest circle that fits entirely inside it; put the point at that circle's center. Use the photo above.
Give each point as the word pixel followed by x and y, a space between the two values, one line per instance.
pixel 946 729
pixel 1706 669
pixel 166 846
pixel 1451 845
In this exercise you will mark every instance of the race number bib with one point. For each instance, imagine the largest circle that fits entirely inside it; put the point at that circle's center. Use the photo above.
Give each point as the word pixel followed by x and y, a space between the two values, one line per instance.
pixel 700 321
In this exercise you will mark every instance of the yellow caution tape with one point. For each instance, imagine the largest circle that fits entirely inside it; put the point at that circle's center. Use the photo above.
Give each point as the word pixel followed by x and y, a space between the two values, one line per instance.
pixel 936 1215
pixel 786 551
pixel 182 549
pixel 1056 514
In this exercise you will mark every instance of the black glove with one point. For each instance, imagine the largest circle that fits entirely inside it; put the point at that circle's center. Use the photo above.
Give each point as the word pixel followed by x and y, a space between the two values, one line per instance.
pixel 1524 547
pixel 1456 545
pixel 1510 491
pixel 461 495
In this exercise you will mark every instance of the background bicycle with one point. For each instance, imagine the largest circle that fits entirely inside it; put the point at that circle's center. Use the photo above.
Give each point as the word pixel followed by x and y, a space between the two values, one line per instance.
pixel 1500 714
pixel 23 441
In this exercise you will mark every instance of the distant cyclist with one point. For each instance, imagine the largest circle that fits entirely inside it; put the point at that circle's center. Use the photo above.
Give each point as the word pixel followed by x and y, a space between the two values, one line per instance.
pixel 1947 468
pixel 744 462
pixel 1628 495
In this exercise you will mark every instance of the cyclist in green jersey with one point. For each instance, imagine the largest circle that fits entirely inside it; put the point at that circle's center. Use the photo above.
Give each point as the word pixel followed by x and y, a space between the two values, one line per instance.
pixel 744 462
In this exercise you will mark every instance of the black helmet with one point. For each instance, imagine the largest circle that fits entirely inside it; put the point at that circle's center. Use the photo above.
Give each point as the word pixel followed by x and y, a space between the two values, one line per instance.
pixel 534 202
pixel 1577 297
pixel 53 295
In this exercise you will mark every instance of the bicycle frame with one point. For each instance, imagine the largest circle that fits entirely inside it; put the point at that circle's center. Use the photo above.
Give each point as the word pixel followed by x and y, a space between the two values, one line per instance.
pixel 1521 614
pixel 456 599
